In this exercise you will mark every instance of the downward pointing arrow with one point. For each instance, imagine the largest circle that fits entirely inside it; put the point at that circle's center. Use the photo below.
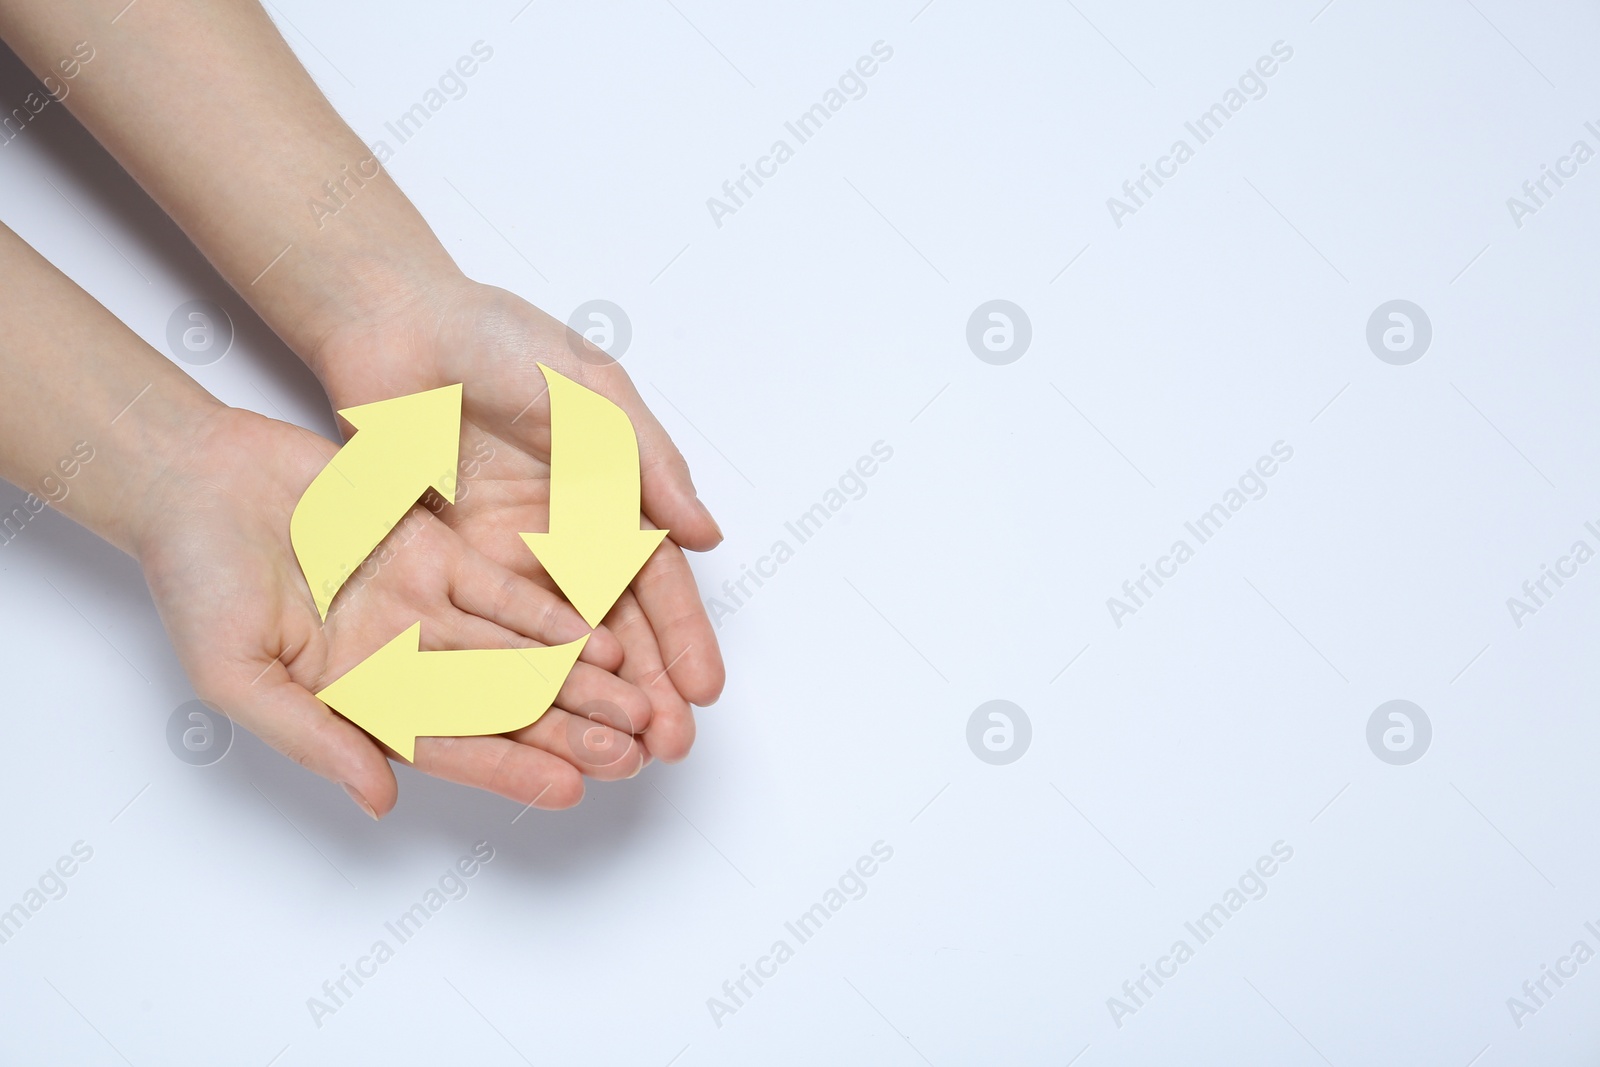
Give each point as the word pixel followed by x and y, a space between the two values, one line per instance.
pixel 399 693
pixel 595 546
pixel 402 446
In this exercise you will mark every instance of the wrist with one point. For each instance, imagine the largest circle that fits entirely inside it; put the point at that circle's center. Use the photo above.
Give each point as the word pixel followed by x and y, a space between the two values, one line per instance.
pixel 362 290
pixel 348 273
pixel 166 449
pixel 387 339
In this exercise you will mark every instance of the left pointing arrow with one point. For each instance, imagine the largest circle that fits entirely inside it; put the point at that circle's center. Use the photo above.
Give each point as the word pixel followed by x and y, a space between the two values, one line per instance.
pixel 401 448
pixel 399 693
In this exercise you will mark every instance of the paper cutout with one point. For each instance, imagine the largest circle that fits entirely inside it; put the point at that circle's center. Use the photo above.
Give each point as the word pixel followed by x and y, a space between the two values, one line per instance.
pixel 399 693
pixel 595 546
pixel 593 550
pixel 401 447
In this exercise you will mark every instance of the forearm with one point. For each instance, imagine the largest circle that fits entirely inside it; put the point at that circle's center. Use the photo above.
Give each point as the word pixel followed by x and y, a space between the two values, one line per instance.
pixel 207 107
pixel 95 421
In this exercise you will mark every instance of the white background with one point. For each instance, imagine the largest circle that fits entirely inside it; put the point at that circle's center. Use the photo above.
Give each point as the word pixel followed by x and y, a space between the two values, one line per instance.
pixel 827 314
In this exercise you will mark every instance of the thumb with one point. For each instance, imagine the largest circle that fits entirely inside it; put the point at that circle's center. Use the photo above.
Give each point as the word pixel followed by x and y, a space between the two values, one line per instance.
pixel 666 492
pixel 288 717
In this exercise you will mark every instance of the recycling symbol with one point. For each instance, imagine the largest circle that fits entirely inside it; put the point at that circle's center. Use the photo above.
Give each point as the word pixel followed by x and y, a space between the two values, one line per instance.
pixel 593 549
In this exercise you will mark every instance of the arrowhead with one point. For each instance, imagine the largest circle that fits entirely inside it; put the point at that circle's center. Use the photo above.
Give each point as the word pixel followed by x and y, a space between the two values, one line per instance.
pixel 401 447
pixel 399 693
pixel 424 428
pixel 593 569
pixel 372 694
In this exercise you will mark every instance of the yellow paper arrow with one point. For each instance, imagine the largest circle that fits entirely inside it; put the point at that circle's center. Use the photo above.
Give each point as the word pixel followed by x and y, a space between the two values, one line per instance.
pixel 402 446
pixel 595 546
pixel 399 693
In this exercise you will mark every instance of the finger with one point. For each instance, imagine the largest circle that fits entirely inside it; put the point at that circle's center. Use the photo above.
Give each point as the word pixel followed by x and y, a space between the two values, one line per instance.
pixel 595 715
pixel 286 716
pixel 666 591
pixel 605 697
pixel 592 747
pixel 671 730
pixel 483 588
pixel 522 773
pixel 667 492
pixel 588 690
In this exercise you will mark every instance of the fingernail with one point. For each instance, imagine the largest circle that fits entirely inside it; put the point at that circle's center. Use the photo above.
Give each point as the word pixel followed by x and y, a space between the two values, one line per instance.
pixel 709 518
pixel 361 801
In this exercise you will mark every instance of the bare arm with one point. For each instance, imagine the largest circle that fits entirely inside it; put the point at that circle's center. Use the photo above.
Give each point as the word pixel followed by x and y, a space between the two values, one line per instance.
pixel 204 104
pixel 207 107
pixel 95 421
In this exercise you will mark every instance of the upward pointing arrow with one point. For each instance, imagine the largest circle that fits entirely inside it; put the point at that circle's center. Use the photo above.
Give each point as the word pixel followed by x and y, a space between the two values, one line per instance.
pixel 595 546
pixel 401 448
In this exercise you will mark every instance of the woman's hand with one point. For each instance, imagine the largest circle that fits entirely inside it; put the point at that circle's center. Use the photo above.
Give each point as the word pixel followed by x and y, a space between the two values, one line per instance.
pixel 214 544
pixel 493 341
pixel 371 298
